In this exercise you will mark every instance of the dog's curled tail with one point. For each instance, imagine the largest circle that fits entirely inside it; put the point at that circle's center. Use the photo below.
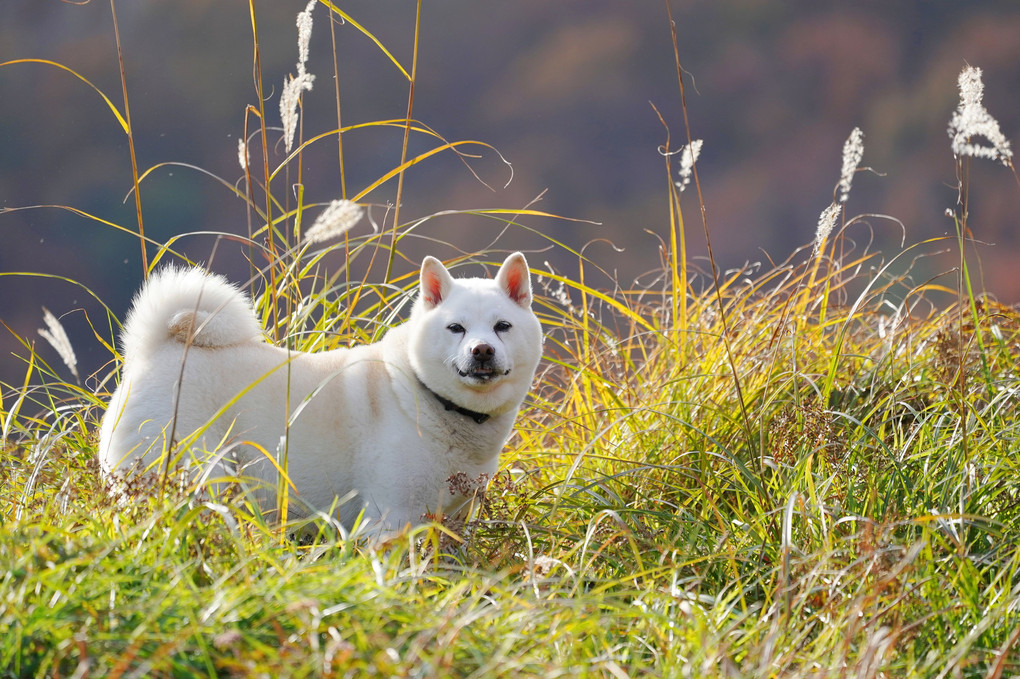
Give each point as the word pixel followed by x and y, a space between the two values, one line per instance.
pixel 188 306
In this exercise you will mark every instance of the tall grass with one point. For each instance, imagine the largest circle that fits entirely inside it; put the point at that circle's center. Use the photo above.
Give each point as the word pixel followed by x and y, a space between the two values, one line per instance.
pixel 801 470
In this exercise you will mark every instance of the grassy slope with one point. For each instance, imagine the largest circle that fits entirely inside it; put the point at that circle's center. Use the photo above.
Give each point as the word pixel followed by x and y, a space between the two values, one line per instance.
pixel 849 510
pixel 644 528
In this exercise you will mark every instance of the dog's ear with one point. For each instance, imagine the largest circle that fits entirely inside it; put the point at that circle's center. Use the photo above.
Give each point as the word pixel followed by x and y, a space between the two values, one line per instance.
pixel 515 279
pixel 435 282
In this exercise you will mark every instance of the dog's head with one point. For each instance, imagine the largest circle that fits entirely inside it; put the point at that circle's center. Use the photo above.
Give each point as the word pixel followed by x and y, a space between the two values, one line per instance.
pixel 476 341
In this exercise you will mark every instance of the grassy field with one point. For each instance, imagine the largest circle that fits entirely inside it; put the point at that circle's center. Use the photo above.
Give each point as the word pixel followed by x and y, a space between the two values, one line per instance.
pixel 806 470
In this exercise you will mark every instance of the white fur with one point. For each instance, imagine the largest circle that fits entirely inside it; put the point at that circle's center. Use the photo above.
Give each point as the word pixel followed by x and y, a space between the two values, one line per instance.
pixel 362 428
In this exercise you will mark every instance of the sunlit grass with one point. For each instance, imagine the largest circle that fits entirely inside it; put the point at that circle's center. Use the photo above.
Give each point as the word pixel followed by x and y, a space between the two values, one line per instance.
pixel 805 469
pixel 636 529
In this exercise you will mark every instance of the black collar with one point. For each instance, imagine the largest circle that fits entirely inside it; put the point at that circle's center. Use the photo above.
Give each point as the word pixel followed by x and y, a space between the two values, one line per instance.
pixel 479 418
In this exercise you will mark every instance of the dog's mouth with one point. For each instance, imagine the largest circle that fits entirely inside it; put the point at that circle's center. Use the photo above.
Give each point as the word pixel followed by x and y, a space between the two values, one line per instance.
pixel 482 373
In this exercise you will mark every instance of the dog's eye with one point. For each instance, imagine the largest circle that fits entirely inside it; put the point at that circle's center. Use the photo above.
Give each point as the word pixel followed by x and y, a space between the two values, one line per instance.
pixel 456 328
pixel 502 326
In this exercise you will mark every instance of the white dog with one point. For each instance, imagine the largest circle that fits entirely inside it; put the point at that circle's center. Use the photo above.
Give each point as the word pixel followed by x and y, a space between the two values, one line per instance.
pixel 380 429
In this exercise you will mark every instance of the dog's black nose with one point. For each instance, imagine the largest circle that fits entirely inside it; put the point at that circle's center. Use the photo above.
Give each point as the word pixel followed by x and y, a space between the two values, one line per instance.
pixel 483 352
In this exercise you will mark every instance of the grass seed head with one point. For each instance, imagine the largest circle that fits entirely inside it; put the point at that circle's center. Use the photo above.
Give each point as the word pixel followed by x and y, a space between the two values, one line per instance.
pixel 853 151
pixel 58 339
pixel 826 223
pixel 242 153
pixel 339 217
pixel 688 156
pixel 295 85
pixel 971 120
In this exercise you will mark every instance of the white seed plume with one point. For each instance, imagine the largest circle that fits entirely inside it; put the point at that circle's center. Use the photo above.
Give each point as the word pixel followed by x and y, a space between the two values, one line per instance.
pixel 853 151
pixel 304 32
pixel 242 153
pixel 826 223
pixel 290 99
pixel 58 339
pixel 688 156
pixel 295 85
pixel 339 217
pixel 971 120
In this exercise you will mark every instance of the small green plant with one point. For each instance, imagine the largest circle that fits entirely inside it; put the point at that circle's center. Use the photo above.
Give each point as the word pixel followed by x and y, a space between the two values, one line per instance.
pixel 807 470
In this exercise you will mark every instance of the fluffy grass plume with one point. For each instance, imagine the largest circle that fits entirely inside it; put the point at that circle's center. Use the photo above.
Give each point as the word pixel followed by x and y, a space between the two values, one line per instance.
pixel 296 85
pixel 55 334
pixel 853 151
pixel 336 219
pixel 972 121
pixel 826 223
pixel 688 156
pixel 832 492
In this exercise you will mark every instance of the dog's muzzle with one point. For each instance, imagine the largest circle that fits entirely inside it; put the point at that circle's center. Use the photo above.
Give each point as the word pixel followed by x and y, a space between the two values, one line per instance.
pixel 482 365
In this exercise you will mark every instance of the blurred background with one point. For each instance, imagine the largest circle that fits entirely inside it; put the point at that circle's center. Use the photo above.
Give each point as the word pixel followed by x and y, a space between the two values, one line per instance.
pixel 564 90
